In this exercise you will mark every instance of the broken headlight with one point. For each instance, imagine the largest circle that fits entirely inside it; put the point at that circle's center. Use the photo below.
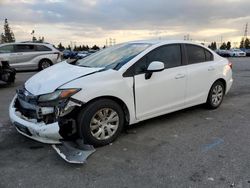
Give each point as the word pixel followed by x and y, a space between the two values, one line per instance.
pixel 58 95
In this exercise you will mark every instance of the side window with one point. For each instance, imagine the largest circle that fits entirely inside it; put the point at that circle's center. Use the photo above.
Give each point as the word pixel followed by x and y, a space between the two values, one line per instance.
pixel 7 49
pixel 140 66
pixel 42 48
pixel 24 48
pixel 196 54
pixel 170 55
pixel 209 56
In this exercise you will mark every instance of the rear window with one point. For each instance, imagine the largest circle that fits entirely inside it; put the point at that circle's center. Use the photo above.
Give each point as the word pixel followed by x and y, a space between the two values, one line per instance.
pixel 197 54
pixel 42 48
pixel 209 56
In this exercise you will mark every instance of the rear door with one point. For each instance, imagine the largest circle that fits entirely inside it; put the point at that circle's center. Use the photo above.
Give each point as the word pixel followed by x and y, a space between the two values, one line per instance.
pixel 201 74
pixel 165 90
pixel 25 53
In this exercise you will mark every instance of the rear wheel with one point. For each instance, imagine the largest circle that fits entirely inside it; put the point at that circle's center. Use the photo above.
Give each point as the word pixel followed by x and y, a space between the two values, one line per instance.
pixel 101 122
pixel 216 94
pixel 44 63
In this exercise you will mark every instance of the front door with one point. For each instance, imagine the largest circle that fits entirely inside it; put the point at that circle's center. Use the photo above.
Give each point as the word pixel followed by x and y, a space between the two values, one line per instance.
pixel 164 91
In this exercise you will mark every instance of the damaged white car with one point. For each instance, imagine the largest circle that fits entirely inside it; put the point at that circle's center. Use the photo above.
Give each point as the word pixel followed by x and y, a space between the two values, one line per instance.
pixel 94 98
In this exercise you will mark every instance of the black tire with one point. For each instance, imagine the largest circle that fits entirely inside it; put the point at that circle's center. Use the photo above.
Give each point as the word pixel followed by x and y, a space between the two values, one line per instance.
pixel 211 104
pixel 85 116
pixel 44 63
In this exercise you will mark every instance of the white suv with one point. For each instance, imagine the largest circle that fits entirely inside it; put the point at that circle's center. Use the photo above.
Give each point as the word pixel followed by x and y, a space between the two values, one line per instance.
pixel 26 55
pixel 94 98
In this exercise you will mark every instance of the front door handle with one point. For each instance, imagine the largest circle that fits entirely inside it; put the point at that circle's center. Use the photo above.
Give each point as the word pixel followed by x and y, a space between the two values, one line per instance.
pixel 179 76
pixel 211 68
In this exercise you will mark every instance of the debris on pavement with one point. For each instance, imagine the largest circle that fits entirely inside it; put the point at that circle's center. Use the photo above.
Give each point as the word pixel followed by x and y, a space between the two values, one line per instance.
pixel 210 179
pixel 74 152
pixel 209 118
pixel 232 185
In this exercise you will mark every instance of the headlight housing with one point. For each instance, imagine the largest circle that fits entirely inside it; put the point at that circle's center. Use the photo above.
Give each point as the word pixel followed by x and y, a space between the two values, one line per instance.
pixel 59 94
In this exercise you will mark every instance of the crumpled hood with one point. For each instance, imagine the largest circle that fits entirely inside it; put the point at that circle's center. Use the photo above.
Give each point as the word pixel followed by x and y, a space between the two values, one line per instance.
pixel 53 77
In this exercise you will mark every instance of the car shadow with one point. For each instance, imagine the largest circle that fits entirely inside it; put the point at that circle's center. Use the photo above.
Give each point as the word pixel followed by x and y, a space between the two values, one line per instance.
pixel 23 71
pixel 164 118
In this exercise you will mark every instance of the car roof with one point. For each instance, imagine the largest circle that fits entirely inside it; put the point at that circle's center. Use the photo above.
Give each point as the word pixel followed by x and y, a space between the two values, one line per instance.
pixel 28 43
pixel 155 42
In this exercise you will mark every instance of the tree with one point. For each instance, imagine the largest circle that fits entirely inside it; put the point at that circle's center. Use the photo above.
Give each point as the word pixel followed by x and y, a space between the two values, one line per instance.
pixel 228 45
pixel 247 43
pixel 34 39
pixel 41 39
pixel 95 48
pixel 60 46
pixel 213 46
pixel 242 43
pixel 85 48
pixel 2 38
pixel 68 48
pixel 223 46
pixel 8 35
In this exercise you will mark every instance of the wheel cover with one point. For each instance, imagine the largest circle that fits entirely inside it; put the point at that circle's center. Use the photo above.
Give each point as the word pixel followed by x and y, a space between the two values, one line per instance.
pixel 45 64
pixel 104 123
pixel 217 95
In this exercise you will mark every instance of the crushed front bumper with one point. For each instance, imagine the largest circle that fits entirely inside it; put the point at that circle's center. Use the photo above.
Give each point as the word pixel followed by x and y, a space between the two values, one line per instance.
pixel 39 131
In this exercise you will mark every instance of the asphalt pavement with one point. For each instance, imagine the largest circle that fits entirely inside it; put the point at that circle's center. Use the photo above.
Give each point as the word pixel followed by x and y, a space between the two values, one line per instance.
pixel 194 147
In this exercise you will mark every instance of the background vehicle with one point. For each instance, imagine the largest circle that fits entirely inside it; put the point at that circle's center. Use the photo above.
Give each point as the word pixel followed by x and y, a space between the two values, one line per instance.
pixel 237 53
pixel 82 54
pixel 26 55
pixel 247 51
pixel 7 74
pixel 223 53
pixel 95 97
pixel 68 54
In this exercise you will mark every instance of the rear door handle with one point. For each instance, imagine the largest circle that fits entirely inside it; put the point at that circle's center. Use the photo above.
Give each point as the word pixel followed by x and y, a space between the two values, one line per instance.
pixel 179 76
pixel 211 68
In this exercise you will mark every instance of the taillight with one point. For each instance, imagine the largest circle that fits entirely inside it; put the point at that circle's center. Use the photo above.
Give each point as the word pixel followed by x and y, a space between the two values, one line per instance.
pixel 58 54
pixel 230 64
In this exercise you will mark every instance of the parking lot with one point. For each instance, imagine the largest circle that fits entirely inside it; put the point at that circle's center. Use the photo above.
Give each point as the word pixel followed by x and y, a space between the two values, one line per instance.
pixel 194 147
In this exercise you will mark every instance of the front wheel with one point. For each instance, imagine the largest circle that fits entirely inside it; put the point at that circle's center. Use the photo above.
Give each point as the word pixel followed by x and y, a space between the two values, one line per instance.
pixel 216 94
pixel 101 122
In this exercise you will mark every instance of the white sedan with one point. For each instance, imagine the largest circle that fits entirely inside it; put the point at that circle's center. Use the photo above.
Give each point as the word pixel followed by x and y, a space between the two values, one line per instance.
pixel 237 53
pixel 95 97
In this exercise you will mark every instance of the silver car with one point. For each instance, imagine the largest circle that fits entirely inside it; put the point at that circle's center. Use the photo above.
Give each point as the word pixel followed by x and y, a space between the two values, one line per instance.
pixel 26 55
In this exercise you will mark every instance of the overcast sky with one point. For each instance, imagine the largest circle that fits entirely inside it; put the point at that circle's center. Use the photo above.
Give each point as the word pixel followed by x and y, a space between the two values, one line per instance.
pixel 94 21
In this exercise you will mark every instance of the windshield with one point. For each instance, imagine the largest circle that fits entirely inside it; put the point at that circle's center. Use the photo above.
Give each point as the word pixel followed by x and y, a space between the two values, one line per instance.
pixel 113 57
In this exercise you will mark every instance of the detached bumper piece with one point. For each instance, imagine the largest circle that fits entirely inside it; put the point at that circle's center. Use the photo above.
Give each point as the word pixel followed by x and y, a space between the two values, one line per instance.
pixel 74 152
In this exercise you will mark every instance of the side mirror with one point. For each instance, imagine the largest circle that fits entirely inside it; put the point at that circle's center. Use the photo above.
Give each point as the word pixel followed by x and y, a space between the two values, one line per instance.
pixel 155 66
